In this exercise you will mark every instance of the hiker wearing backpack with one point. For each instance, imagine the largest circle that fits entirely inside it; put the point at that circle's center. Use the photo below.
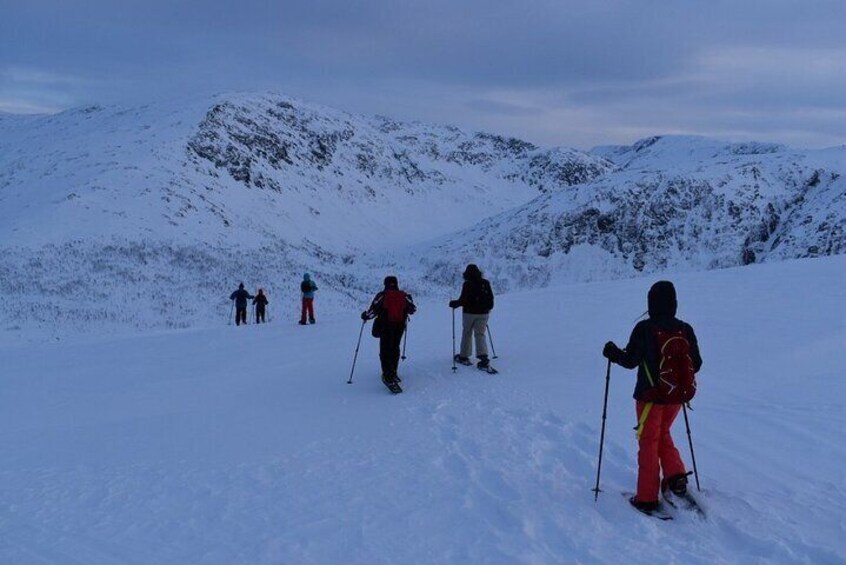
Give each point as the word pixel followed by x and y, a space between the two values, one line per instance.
pixel 307 288
pixel 260 302
pixel 391 308
pixel 477 301
pixel 665 351
pixel 240 297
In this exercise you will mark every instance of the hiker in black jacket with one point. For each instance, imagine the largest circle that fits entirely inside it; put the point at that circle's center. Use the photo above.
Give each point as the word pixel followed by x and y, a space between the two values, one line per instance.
pixel 477 301
pixel 391 308
pixel 260 302
pixel 240 297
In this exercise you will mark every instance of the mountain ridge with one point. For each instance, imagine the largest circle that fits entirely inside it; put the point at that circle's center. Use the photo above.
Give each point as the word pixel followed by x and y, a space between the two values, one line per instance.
pixel 191 197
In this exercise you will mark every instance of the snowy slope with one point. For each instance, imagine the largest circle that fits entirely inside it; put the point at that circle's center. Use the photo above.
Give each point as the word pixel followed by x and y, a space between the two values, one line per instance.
pixel 119 219
pixel 112 218
pixel 676 202
pixel 225 445
pixel 256 168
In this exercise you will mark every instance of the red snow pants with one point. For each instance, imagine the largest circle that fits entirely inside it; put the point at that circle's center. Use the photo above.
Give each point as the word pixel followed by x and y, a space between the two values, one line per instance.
pixel 308 310
pixel 656 451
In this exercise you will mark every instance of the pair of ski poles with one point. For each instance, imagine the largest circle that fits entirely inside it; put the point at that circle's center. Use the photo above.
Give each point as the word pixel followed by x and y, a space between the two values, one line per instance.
pixel 596 490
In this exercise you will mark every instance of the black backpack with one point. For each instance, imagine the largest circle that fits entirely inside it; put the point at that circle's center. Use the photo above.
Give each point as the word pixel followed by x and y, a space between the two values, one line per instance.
pixel 481 297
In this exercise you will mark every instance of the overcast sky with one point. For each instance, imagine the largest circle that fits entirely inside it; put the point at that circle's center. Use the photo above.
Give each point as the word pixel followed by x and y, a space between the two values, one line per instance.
pixel 556 72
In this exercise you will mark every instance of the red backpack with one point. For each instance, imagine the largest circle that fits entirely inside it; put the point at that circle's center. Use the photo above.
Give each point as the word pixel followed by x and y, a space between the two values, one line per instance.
pixel 676 381
pixel 395 305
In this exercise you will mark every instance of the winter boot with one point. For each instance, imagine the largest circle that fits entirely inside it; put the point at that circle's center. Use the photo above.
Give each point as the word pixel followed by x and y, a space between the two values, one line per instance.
pixel 302 322
pixel 484 362
pixel 677 484
pixel 646 507
pixel 462 360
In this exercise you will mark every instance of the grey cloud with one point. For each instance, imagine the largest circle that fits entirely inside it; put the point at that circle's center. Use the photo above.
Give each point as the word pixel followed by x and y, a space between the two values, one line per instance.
pixel 577 70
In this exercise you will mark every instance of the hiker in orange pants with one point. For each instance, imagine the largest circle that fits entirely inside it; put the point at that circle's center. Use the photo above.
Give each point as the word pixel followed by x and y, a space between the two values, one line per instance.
pixel 656 451
pixel 665 351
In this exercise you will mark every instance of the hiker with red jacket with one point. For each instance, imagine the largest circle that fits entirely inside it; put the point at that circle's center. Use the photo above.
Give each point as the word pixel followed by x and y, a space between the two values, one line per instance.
pixel 240 297
pixel 391 308
pixel 477 301
pixel 665 351
pixel 260 302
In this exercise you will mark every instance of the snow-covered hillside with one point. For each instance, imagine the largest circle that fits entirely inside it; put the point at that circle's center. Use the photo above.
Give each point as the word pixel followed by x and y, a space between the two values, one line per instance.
pixel 675 202
pixel 113 219
pixel 253 169
pixel 245 445
pixel 146 216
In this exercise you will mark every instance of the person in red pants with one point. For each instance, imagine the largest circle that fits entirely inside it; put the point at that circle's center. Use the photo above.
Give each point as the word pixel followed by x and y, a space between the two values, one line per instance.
pixel 657 391
pixel 307 288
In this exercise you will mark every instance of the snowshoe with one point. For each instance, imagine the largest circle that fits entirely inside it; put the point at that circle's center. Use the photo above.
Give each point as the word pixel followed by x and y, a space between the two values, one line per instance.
pixel 484 364
pixel 392 383
pixel 651 509
pixel 463 360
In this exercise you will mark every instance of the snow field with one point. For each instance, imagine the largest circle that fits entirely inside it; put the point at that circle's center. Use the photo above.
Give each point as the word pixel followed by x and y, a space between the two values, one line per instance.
pixel 245 445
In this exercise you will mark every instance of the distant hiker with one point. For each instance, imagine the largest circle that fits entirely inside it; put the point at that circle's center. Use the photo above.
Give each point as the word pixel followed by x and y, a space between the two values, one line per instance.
pixel 391 308
pixel 308 288
pixel 666 354
pixel 260 302
pixel 477 301
pixel 240 297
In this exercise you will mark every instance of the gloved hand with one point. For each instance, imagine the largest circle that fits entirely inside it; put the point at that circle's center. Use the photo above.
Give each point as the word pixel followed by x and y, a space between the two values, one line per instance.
pixel 611 351
pixel 364 315
pixel 454 304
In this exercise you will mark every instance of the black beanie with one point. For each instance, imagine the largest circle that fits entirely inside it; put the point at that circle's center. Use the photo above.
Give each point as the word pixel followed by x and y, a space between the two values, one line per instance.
pixel 391 282
pixel 662 300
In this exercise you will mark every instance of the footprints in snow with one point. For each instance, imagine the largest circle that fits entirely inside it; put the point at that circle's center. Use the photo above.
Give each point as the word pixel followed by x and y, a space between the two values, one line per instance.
pixel 510 462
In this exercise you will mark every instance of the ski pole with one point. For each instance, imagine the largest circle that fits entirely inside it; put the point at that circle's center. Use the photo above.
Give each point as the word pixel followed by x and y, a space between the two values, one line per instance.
pixel 602 435
pixel 690 441
pixel 490 338
pixel 454 368
pixel 355 357
pixel 404 341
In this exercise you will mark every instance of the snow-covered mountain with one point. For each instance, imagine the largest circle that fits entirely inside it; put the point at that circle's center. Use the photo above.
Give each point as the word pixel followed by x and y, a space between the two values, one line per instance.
pixel 253 169
pixel 149 216
pixel 674 203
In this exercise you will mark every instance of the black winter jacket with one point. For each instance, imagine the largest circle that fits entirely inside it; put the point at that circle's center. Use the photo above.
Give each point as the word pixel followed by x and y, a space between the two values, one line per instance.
pixel 240 297
pixel 476 297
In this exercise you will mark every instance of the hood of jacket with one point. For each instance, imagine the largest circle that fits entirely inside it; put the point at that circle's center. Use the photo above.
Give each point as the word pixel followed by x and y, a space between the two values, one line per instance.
pixel 662 300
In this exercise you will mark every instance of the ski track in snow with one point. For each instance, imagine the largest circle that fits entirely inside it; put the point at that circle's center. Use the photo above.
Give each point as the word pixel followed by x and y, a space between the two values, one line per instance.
pixel 245 445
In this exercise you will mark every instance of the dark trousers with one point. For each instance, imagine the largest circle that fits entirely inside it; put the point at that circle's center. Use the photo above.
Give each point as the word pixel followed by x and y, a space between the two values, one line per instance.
pixel 389 347
pixel 259 315
pixel 240 315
